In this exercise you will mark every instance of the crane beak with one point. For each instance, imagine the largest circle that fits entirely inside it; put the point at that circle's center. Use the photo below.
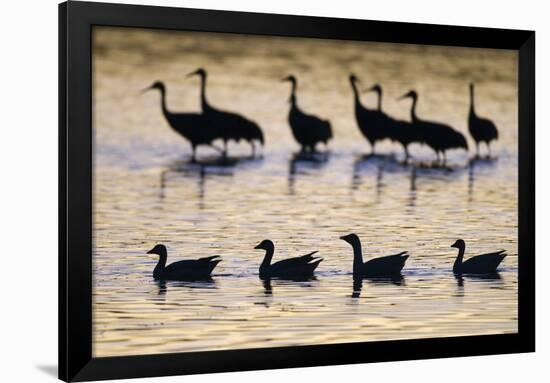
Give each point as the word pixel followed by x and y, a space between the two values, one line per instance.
pixel 146 89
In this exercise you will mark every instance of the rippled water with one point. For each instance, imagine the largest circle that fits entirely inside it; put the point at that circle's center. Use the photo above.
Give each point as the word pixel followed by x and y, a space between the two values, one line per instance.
pixel 146 192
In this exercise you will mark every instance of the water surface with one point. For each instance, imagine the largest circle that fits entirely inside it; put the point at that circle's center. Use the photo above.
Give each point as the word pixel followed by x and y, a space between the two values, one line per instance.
pixel 146 192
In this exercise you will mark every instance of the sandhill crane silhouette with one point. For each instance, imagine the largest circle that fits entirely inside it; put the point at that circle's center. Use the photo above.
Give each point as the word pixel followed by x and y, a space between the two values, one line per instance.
pixel 231 126
pixel 308 130
pixel 191 126
pixel 397 130
pixel 439 137
pixel 481 129
pixel 368 120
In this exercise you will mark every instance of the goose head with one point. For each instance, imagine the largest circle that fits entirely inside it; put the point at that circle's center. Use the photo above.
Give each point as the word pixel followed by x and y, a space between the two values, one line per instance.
pixel 159 250
pixel 352 239
pixel 156 85
pixel 353 78
pixel 266 245
pixel 199 72
pixel 459 244
pixel 410 94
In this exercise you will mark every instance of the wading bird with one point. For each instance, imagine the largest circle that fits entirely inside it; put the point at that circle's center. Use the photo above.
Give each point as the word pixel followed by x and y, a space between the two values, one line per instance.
pixel 439 137
pixel 231 126
pixel 481 129
pixel 397 130
pixel 308 130
pixel 191 126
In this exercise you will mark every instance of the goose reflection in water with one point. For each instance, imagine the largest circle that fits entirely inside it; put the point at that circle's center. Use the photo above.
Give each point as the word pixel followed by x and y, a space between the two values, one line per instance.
pixel 203 283
pixel 303 164
pixel 298 282
pixel 491 277
pixel 397 280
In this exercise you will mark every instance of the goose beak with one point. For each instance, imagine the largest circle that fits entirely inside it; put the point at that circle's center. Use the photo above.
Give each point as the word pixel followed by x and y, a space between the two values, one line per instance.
pixel 403 97
pixel 344 237
pixel 195 72
pixel 285 79
pixel 150 251
pixel 368 89
pixel 258 246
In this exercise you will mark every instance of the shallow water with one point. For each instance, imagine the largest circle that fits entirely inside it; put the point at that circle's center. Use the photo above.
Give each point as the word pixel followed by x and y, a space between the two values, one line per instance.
pixel 146 192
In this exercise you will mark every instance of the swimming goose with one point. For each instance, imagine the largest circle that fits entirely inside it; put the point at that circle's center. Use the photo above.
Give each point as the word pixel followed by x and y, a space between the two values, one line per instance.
pixel 298 267
pixel 388 266
pixel 182 270
pixel 480 264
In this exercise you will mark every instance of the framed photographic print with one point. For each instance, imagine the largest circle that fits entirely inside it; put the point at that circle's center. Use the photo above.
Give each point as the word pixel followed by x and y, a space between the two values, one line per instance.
pixel 246 191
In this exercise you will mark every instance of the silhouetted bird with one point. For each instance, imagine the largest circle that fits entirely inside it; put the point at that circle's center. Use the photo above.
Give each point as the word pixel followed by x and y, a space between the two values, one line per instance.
pixel 231 126
pixel 439 137
pixel 480 264
pixel 388 266
pixel 192 126
pixel 397 130
pixel 308 130
pixel 182 270
pixel 299 267
pixel 481 129
pixel 367 120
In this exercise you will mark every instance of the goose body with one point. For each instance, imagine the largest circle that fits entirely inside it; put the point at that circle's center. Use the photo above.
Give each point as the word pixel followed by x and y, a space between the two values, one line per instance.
pixel 480 264
pixel 182 270
pixel 298 267
pixel 194 127
pixel 440 137
pixel 308 130
pixel 231 126
pixel 397 130
pixel 370 122
pixel 387 266
pixel 481 129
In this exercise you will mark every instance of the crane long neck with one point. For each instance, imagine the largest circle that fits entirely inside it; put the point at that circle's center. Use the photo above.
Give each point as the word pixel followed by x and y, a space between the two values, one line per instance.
pixel 460 257
pixel 413 109
pixel 269 251
pixel 163 105
pixel 472 102
pixel 293 94
pixel 204 103
pixel 379 100
pixel 356 94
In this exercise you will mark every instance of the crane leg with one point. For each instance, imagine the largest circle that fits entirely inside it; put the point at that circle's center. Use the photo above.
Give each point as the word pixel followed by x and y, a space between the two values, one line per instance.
pixel 193 152
pixel 224 153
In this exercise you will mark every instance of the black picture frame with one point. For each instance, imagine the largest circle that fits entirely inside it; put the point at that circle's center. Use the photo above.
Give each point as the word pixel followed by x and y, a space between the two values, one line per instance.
pixel 76 20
